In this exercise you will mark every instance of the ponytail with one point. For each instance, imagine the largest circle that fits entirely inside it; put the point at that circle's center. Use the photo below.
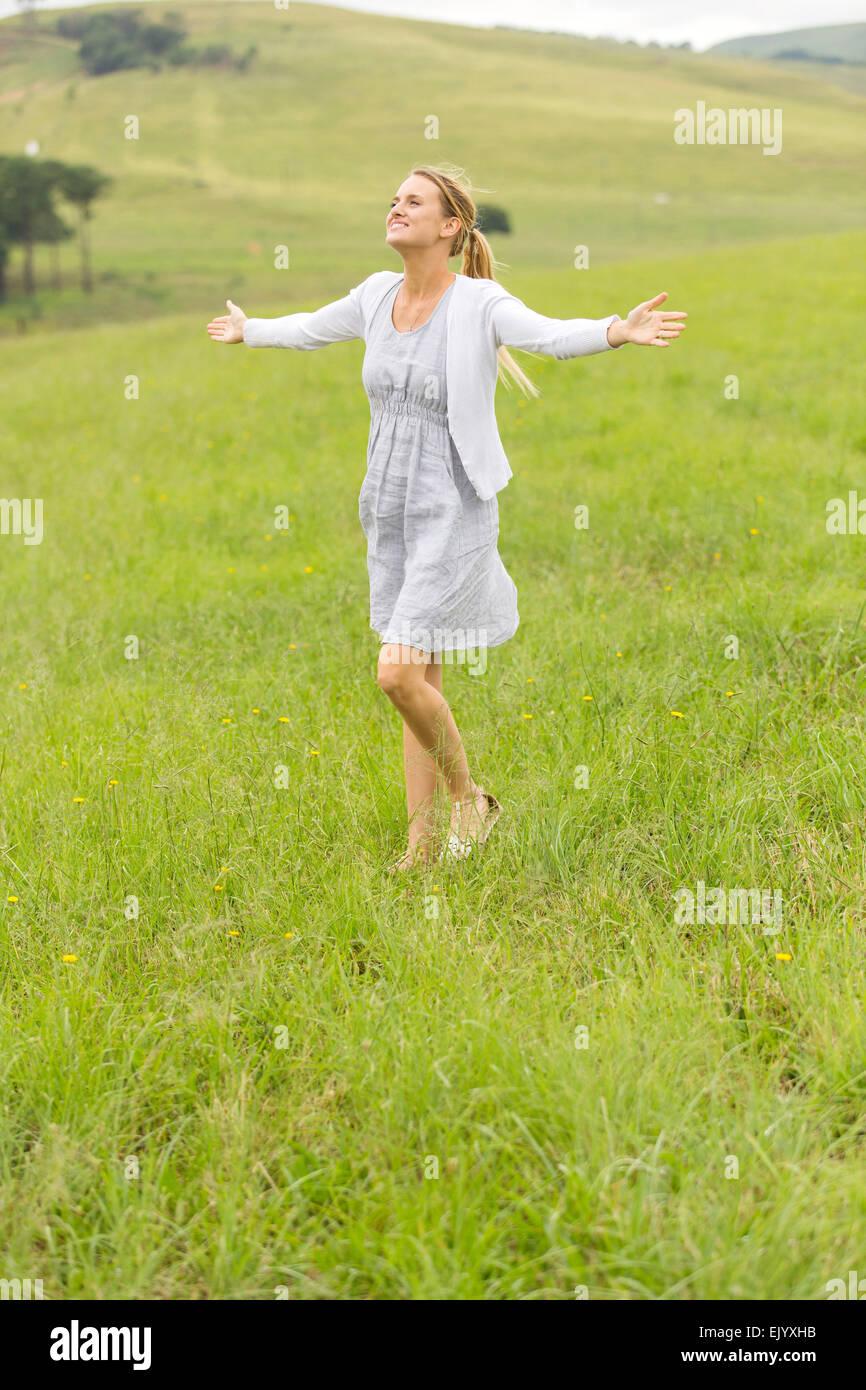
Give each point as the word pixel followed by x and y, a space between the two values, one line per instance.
pixel 479 262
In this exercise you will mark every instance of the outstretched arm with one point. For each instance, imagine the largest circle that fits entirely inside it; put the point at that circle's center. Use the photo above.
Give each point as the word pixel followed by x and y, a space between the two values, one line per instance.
pixel 334 323
pixel 516 325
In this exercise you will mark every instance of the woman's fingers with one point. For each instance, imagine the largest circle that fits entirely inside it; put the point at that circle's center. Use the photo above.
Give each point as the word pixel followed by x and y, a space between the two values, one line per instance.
pixel 650 306
pixel 219 327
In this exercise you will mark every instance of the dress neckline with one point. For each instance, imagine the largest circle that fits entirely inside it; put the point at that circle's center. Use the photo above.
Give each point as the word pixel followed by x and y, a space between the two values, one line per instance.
pixel 412 332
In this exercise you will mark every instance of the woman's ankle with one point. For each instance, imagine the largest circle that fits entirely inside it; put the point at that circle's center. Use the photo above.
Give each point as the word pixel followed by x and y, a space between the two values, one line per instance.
pixel 420 837
pixel 470 796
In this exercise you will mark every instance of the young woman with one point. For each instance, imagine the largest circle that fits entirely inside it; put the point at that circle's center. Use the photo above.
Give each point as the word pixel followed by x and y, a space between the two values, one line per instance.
pixel 435 347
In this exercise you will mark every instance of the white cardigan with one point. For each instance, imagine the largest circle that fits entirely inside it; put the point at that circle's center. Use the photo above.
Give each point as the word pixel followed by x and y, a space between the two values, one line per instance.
pixel 482 316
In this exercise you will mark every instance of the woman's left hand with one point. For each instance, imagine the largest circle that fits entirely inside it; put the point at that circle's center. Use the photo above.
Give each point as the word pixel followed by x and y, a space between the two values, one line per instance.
pixel 647 325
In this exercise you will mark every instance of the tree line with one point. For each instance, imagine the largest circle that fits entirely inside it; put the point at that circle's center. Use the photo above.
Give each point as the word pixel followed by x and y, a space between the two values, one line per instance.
pixel 29 191
pixel 112 40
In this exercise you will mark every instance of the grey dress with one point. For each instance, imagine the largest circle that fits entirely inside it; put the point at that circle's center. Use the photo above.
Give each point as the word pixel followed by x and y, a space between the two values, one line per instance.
pixel 437 581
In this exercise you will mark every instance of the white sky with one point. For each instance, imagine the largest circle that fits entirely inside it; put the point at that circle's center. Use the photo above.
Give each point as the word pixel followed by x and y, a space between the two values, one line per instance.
pixel 666 21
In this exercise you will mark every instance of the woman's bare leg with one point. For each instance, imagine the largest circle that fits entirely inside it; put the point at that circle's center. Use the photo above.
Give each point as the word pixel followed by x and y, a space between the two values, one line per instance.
pixel 428 719
pixel 423 778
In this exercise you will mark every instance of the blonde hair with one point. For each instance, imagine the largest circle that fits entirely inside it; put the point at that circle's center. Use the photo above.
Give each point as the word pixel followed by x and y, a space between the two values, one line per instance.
pixel 479 262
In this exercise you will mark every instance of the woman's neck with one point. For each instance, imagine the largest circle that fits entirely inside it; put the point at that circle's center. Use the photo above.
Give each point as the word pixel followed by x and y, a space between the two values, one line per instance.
pixel 421 280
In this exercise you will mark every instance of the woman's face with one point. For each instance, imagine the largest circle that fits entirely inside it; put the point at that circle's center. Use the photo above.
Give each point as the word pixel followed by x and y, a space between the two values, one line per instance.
pixel 415 216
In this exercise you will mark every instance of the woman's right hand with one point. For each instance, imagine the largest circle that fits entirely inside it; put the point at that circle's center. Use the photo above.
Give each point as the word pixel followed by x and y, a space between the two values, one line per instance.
pixel 228 328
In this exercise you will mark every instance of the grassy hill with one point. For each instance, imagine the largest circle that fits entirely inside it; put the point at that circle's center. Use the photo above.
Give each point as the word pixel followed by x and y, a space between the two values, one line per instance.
pixel 838 53
pixel 573 136
pixel 844 41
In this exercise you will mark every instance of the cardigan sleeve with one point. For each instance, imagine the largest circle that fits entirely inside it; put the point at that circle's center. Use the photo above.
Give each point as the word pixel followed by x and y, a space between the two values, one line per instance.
pixel 333 323
pixel 516 325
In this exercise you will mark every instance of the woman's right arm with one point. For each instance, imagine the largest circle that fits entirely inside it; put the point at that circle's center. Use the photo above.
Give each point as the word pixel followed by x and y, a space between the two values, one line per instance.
pixel 333 323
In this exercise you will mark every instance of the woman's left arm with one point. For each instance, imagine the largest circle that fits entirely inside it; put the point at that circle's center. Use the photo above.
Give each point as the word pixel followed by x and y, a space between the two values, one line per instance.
pixel 516 325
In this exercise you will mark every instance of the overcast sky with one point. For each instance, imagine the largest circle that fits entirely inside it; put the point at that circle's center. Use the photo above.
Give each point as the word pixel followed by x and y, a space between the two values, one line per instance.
pixel 667 21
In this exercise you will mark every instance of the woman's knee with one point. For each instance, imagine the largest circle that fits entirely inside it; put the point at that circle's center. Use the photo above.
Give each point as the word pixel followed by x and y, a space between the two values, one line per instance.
pixel 399 671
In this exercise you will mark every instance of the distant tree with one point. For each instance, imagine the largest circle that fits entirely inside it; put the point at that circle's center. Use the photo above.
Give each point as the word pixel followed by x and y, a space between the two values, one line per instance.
pixel 493 219
pixel 5 248
pixel 28 215
pixel 80 185
pixel 109 46
pixel 53 229
pixel 112 40
pixel 25 205
pixel 244 59
pixel 214 53
pixel 159 39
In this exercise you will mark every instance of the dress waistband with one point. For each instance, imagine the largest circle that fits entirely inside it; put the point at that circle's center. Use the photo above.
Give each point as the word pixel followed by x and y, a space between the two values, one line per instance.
pixel 387 405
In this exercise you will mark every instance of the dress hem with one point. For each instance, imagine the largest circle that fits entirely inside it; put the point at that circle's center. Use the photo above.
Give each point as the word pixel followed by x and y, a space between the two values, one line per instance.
pixel 385 640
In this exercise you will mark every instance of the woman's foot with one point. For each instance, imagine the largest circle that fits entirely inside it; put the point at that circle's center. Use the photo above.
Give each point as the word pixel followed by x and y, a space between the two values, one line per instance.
pixel 417 855
pixel 472 819
pixel 468 814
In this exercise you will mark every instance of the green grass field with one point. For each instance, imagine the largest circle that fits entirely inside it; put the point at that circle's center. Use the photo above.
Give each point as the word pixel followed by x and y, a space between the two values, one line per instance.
pixel 288 1075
